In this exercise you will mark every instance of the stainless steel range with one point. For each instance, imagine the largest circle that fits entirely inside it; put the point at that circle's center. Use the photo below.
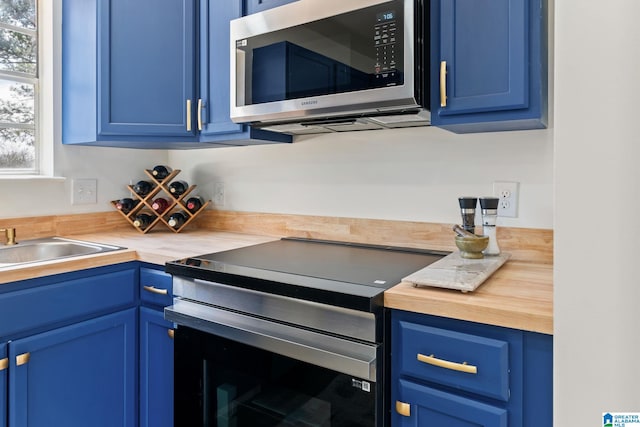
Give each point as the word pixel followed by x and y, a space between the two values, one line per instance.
pixel 286 333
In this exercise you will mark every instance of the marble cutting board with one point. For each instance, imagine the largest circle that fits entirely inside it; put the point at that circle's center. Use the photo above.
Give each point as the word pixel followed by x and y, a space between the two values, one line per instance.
pixel 455 272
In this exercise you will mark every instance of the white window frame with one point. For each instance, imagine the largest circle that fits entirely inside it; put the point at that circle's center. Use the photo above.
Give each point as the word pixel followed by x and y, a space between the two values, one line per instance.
pixel 44 99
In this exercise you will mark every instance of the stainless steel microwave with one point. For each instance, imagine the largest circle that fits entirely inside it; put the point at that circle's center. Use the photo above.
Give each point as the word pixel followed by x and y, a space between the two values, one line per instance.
pixel 316 66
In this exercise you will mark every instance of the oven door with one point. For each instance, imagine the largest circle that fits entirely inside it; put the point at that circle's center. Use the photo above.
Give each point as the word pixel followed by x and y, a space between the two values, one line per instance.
pixel 236 370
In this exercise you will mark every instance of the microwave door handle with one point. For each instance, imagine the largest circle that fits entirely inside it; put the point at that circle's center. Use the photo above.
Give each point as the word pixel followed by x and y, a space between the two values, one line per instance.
pixel 340 355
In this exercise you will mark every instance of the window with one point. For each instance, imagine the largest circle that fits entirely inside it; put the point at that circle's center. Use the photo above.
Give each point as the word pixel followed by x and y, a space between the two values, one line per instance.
pixel 19 87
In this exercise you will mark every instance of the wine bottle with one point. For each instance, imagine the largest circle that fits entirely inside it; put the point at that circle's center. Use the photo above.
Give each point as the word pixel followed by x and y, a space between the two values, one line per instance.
pixel 178 187
pixel 142 188
pixel 194 203
pixel 177 219
pixel 160 204
pixel 126 205
pixel 143 220
pixel 160 172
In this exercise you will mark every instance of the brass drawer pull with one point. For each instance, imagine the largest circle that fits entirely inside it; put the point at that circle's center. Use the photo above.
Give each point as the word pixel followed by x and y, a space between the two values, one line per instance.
pixel 171 333
pixel 23 358
pixel 443 83
pixel 188 115
pixel 461 367
pixel 4 364
pixel 155 290
pixel 403 409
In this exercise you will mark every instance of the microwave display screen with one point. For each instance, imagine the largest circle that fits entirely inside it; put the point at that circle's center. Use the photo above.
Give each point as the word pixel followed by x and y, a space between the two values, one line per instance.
pixel 386 16
pixel 354 51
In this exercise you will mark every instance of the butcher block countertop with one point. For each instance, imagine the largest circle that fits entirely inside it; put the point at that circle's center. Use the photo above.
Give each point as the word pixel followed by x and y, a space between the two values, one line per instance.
pixel 153 247
pixel 519 295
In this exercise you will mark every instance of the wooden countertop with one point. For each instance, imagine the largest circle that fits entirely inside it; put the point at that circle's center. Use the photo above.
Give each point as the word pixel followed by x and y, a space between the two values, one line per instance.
pixel 519 295
pixel 153 247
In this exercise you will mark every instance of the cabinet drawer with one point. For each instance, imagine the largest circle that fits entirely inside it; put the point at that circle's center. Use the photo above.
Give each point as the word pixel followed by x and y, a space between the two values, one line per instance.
pixel 463 361
pixel 54 303
pixel 431 407
pixel 155 287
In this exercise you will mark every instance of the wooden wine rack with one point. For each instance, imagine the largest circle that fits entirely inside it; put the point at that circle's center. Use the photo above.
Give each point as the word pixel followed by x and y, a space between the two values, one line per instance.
pixel 176 204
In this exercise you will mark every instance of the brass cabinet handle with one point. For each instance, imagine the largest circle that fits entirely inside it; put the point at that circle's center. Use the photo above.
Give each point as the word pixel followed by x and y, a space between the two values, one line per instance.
pixel 23 358
pixel 403 409
pixel 4 363
pixel 171 333
pixel 443 83
pixel 155 290
pixel 188 115
pixel 462 367
pixel 200 114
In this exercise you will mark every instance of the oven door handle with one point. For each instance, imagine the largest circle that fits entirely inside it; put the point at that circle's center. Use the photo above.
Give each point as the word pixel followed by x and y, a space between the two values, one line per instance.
pixel 331 352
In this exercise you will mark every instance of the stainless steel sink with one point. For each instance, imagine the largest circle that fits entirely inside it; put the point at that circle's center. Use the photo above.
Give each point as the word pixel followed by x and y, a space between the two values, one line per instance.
pixel 51 248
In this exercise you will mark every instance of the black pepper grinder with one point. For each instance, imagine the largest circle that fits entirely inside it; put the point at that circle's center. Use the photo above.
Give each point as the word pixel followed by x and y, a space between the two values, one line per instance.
pixel 468 212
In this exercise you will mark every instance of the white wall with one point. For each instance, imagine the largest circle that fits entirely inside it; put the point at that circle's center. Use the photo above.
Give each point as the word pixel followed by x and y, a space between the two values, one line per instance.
pixel 409 174
pixel 113 169
pixel 597 200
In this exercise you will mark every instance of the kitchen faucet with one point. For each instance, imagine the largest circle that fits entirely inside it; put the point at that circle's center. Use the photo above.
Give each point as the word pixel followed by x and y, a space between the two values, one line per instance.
pixel 10 234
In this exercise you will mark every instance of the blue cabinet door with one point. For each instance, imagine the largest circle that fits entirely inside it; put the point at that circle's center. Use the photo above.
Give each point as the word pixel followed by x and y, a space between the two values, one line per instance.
pixel 76 376
pixel 487 64
pixel 215 69
pixel 150 74
pixel 4 368
pixel 128 69
pixel 156 369
pixel 212 109
pixel 147 67
pixel 254 6
pixel 431 407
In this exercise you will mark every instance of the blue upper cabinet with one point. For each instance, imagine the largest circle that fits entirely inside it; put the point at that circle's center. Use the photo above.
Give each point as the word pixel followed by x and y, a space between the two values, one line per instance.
pixel 146 64
pixel 150 74
pixel 212 108
pixel 254 6
pixel 488 65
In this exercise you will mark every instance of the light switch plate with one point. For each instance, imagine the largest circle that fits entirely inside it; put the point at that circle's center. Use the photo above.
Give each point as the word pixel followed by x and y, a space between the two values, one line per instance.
pixel 84 191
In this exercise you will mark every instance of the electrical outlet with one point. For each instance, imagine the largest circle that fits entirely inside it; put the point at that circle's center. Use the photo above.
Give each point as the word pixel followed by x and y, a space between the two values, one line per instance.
pixel 218 194
pixel 507 192
pixel 84 191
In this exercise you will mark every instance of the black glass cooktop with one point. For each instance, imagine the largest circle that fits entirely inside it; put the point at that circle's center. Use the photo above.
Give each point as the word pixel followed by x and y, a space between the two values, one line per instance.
pixel 317 270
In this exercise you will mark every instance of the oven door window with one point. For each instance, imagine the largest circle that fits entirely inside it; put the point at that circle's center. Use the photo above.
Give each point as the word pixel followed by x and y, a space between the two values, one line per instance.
pixel 227 384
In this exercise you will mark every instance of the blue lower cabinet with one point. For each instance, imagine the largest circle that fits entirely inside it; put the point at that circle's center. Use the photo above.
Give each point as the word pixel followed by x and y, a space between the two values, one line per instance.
pixel 156 369
pixel 432 407
pixel 448 372
pixel 4 368
pixel 80 375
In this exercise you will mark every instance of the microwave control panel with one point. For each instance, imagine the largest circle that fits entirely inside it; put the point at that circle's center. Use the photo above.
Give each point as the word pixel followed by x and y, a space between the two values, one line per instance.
pixel 385 41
